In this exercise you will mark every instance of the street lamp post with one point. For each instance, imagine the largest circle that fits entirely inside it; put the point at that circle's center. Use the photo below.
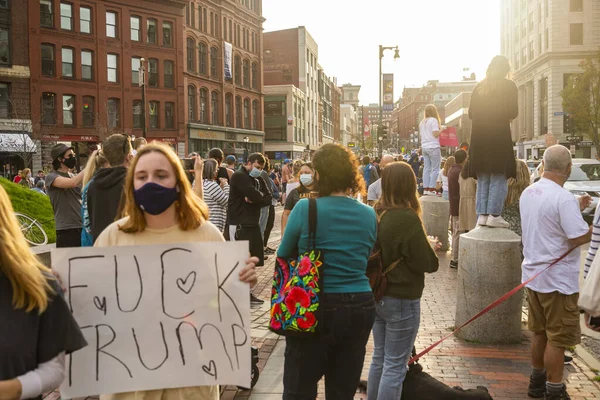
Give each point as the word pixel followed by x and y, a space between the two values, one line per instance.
pixel 246 140
pixel 142 84
pixel 382 49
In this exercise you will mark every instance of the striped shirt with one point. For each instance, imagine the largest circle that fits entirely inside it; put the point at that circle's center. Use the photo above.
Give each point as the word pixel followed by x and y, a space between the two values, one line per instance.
pixel 216 199
pixel 594 243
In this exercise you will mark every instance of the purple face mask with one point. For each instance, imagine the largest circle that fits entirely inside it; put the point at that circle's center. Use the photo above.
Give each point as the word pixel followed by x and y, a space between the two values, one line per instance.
pixel 154 198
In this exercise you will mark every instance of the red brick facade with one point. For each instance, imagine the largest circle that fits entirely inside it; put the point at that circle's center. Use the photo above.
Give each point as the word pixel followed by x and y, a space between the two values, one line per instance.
pixel 336 97
pixel 84 30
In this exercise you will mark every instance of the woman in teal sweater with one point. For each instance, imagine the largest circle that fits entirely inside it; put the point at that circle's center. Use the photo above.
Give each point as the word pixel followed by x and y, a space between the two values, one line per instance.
pixel 346 233
pixel 402 238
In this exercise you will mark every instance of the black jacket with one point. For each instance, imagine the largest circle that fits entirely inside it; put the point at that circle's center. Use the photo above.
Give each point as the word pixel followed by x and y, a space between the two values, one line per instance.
pixel 104 198
pixel 243 186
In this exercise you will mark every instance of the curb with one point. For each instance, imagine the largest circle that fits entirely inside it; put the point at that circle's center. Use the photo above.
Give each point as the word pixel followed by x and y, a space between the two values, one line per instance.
pixel 587 357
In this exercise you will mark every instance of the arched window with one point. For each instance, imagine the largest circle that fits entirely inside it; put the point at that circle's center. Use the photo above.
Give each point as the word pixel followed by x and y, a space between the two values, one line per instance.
pixel 203 106
pixel 48 108
pixel 254 76
pixel 137 113
pixel 153 111
pixel 151 31
pixel 191 50
pixel 228 109
pixel 238 112
pixel 246 73
pixel 255 115
pixel 246 114
pixel 214 107
pixel 238 70
pixel 191 103
pixel 214 70
pixel 202 59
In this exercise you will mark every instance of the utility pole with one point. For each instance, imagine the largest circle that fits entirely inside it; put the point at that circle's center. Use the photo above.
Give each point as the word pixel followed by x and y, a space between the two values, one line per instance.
pixel 142 84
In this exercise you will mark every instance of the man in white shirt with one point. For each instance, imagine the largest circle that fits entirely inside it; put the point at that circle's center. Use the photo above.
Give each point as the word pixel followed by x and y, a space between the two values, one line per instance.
pixel 552 224
pixel 375 188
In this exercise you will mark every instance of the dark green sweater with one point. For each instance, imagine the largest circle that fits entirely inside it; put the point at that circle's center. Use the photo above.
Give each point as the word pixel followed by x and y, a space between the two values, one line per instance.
pixel 401 235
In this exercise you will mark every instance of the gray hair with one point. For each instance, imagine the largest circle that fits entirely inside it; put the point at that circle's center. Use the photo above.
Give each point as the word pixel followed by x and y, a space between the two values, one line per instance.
pixel 557 158
pixel 210 168
pixel 40 184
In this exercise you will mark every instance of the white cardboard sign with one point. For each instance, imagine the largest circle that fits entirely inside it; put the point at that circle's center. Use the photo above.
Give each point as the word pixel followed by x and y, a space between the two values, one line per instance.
pixel 161 316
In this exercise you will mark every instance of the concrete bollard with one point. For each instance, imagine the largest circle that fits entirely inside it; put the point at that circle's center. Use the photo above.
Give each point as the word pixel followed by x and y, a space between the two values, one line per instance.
pixel 436 217
pixel 489 267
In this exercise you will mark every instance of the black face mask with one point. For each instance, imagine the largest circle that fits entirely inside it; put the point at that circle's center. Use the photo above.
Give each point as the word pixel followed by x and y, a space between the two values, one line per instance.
pixel 70 162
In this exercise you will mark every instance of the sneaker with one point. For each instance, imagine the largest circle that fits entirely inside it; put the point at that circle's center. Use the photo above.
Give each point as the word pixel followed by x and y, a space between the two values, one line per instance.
pixel 537 387
pixel 255 300
pixel 454 264
pixel 482 220
pixel 562 395
pixel 497 222
pixel 269 251
pixel 568 359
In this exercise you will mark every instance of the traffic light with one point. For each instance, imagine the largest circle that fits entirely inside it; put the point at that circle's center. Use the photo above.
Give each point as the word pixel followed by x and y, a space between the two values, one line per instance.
pixel 383 132
pixel 568 124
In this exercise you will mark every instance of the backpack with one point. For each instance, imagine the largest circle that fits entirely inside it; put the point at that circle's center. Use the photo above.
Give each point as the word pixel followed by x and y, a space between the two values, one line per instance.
pixel 367 174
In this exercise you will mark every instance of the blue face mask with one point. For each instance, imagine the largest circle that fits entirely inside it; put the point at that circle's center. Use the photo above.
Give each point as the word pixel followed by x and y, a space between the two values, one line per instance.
pixel 154 198
pixel 306 179
pixel 255 173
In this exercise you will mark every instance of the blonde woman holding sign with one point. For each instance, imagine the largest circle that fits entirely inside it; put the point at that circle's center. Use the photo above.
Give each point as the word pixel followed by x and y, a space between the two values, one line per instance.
pixel 161 208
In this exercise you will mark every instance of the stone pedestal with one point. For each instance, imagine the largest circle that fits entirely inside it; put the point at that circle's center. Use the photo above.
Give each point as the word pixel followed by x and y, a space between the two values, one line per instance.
pixel 489 267
pixel 436 217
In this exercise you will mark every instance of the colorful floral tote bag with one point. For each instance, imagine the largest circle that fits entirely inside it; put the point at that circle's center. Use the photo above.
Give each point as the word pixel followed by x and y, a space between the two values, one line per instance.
pixel 297 287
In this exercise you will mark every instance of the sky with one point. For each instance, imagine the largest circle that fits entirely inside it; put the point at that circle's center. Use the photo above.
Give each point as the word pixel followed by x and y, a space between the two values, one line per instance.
pixel 436 38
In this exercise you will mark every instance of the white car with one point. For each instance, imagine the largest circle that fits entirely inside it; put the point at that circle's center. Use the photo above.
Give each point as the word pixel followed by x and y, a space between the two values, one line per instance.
pixel 584 179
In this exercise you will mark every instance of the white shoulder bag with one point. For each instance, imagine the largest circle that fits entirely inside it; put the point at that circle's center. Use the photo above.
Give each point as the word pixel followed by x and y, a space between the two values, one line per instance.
pixel 589 296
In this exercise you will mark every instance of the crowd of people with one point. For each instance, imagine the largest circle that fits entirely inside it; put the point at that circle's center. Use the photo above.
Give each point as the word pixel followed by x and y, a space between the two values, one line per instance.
pixel 142 193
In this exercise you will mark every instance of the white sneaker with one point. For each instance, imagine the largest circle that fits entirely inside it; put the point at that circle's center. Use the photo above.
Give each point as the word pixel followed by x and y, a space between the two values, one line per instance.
pixel 497 222
pixel 482 220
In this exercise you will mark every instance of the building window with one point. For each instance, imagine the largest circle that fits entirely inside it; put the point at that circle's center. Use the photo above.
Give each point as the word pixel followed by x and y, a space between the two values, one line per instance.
pixel 169 113
pixel 153 72
pixel 153 112
pixel 136 63
pixel 230 30
pixel 254 76
pixel 523 28
pixel 547 39
pixel 193 15
pixel 137 113
pixel 66 16
pixel 151 32
pixel 85 20
pixel 238 112
pixel 214 108
pixel 576 34
pixel 202 56
pixel 191 103
pixel 4 46
pixel 544 106
pixel 187 14
pixel 255 115
pixel 46 16
pixel 531 51
pixel 237 66
pixel 114 113
pixel 246 73
pixel 4 101
pixel 48 109
pixel 225 28
pixel 87 68
pixel 531 20
pixel 576 6
pixel 203 106
pixel 169 67
pixel 111 24
pixel 167 34
pixel 112 67
pixel 523 56
pixel 68 110
pixel 136 35
pixel 67 62
pixel 228 109
pixel 47 60
pixel 88 111
pixel 214 53
pixel 191 49
pixel 246 114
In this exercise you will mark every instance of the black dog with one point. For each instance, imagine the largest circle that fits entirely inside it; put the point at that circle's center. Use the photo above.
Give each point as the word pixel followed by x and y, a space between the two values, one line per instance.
pixel 419 385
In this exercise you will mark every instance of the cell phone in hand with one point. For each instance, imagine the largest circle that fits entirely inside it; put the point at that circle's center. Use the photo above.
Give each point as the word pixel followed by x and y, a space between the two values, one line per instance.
pixel 594 321
pixel 188 164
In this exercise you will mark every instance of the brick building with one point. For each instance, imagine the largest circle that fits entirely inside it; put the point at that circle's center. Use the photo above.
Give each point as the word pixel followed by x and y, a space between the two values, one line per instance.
pixel 84 59
pixel 16 146
pixel 223 76
pixel 336 100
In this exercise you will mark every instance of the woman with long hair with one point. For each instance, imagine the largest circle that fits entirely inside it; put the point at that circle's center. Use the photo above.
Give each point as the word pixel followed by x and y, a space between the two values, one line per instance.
pixel 443 176
pixel 407 254
pixel 346 232
pixel 216 195
pixel 306 190
pixel 512 212
pixel 36 325
pixel 96 161
pixel 161 208
pixel 494 104
pixel 467 214
pixel 294 180
pixel 26 178
pixel 429 129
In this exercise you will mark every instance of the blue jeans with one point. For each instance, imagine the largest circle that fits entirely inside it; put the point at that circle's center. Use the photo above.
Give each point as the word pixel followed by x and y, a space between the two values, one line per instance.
pixel 431 166
pixel 491 193
pixel 264 217
pixel 394 332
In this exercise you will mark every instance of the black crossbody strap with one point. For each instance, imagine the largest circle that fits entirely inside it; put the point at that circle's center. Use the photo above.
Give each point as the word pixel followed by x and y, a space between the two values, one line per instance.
pixel 312 223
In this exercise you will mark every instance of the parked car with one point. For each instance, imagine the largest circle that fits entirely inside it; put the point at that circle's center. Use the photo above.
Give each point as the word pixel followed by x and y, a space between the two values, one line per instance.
pixel 584 179
pixel 532 165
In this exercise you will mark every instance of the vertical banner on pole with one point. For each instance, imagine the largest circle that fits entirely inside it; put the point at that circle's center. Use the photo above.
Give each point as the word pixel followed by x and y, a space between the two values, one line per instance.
pixel 366 126
pixel 227 56
pixel 388 92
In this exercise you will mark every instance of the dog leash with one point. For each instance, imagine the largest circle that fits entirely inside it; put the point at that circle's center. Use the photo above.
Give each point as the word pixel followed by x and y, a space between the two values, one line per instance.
pixel 490 307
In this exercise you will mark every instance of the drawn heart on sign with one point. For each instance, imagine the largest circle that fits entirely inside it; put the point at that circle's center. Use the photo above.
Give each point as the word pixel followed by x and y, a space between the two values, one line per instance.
pixel 209 369
pixel 100 304
pixel 182 284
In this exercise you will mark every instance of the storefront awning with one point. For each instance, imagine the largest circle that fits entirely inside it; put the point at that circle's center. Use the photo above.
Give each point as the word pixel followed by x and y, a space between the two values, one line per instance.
pixel 16 143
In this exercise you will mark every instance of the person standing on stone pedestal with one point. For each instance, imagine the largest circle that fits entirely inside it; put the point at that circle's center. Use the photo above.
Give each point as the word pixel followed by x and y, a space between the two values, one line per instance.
pixel 494 104
pixel 552 224
pixel 454 197
pixel 429 129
